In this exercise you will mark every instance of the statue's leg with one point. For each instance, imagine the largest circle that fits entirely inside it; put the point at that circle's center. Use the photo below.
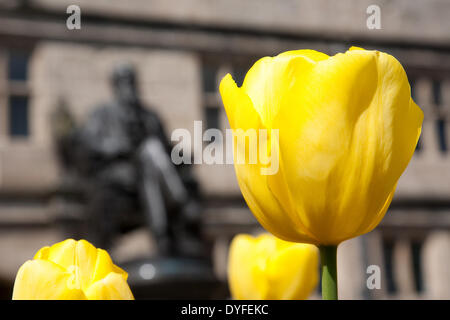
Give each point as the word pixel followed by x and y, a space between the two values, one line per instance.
pixel 156 179
pixel 153 204
pixel 101 219
pixel 153 151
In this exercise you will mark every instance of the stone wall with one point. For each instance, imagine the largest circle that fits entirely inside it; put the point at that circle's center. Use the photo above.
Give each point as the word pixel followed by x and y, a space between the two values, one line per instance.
pixel 79 75
pixel 402 20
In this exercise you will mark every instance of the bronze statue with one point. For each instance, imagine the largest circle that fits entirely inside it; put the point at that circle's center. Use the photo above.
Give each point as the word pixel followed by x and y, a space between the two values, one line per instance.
pixel 124 155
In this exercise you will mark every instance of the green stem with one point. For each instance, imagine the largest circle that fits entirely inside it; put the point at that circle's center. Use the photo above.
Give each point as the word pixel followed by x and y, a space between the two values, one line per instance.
pixel 329 272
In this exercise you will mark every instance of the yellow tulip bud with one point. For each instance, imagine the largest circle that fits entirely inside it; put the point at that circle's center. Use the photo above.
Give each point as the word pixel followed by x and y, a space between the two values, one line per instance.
pixel 266 267
pixel 347 128
pixel 71 270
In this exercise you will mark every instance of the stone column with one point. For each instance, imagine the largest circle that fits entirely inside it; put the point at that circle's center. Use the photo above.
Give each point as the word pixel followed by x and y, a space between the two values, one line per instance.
pixel 351 269
pixel 403 269
pixel 436 260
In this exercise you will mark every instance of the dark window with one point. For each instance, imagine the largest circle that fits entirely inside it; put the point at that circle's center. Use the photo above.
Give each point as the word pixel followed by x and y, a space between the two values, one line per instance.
pixel 440 123
pixel 388 253
pixel 18 116
pixel 437 93
pixel 212 116
pixel 18 66
pixel 440 127
pixel 416 249
pixel 209 78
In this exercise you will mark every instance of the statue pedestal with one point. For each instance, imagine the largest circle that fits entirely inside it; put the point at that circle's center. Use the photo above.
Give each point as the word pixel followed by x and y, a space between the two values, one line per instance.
pixel 174 278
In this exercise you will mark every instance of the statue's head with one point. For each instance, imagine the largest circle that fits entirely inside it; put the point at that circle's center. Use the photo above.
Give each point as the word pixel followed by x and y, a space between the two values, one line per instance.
pixel 124 84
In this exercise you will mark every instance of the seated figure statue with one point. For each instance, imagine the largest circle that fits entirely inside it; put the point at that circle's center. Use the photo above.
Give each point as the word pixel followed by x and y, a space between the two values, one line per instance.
pixel 124 154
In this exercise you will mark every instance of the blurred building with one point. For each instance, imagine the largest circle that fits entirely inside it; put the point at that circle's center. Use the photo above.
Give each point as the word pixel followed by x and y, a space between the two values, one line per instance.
pixel 181 50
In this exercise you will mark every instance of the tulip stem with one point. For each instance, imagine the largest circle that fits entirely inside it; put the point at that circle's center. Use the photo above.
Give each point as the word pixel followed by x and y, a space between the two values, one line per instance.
pixel 328 256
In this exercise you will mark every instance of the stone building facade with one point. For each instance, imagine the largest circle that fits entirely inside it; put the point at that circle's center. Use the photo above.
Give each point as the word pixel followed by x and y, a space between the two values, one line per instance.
pixel 181 50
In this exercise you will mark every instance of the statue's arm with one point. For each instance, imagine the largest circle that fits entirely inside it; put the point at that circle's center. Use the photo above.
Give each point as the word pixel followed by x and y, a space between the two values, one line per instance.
pixel 102 138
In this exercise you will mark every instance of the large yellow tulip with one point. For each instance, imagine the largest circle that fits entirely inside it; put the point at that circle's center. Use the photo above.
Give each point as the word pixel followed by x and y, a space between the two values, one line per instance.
pixel 71 270
pixel 347 130
pixel 266 267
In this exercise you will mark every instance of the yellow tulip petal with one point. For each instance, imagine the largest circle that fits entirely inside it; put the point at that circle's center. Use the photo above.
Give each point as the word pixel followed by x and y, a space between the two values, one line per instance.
pixel 120 271
pixel 293 272
pixel 69 269
pixel 347 130
pixel 246 270
pixel 331 144
pixel 104 265
pixel 265 267
pixel 252 182
pixel 355 48
pixel 42 253
pixel 329 104
pixel 398 132
pixel 112 287
pixel 63 253
pixel 44 280
pixel 238 106
pixel 270 78
pixel 386 135
pixel 268 85
pixel 86 262
pixel 305 53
